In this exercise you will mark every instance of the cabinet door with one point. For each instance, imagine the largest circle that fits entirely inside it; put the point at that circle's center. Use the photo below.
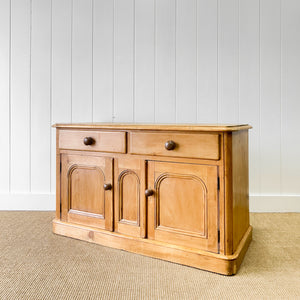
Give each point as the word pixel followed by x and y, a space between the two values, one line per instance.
pixel 183 209
pixel 130 207
pixel 83 197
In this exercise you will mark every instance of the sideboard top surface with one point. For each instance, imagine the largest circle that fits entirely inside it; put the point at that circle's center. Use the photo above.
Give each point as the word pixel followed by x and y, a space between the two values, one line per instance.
pixel 148 126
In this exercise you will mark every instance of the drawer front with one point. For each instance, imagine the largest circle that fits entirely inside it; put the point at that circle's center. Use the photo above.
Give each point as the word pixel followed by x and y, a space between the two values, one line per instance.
pixel 105 141
pixel 202 145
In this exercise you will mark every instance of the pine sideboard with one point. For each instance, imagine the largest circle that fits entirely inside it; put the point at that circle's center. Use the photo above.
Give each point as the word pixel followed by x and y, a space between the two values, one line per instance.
pixel 173 192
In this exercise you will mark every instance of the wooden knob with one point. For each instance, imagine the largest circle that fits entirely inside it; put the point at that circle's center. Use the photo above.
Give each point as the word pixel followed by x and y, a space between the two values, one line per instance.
pixel 149 193
pixel 88 140
pixel 170 145
pixel 107 186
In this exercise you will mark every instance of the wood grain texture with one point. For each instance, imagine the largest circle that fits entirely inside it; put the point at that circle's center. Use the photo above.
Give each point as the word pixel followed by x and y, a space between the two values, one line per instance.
pixel 184 200
pixel 86 189
pixel 129 197
pixel 226 265
pixel 58 178
pixel 236 188
pixel 184 205
pixel 222 199
pixel 240 181
pixel 105 141
pixel 228 194
pixel 149 157
pixel 83 198
pixel 204 146
pixel 169 127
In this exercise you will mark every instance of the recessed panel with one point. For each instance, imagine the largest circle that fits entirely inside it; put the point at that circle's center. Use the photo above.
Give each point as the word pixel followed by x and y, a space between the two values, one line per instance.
pixel 86 190
pixel 129 191
pixel 181 204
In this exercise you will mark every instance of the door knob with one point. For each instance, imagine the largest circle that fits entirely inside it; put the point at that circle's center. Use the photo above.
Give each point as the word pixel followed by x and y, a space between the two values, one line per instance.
pixel 88 141
pixel 149 193
pixel 170 145
pixel 107 186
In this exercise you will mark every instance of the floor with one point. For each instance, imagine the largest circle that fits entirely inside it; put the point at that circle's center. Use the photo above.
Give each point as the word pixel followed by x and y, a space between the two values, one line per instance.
pixel 37 264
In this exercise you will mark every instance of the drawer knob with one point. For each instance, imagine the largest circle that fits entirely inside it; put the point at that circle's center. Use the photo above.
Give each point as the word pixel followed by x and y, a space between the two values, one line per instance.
pixel 88 140
pixel 107 186
pixel 149 193
pixel 170 145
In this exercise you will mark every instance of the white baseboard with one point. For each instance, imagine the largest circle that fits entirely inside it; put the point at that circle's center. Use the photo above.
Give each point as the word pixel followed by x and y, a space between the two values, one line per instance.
pixel 258 203
pixel 27 201
pixel 274 203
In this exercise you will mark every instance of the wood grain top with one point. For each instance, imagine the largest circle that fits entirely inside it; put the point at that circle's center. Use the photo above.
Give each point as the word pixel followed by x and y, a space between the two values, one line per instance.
pixel 148 126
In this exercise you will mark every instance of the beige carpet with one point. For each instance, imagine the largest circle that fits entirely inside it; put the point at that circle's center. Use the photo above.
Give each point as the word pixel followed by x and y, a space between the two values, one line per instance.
pixel 36 264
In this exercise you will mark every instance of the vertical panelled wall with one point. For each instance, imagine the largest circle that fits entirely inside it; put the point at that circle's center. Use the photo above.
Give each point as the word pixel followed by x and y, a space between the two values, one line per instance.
pixel 162 61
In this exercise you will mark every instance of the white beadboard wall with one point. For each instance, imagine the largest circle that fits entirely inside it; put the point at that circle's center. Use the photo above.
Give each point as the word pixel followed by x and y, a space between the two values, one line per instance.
pixel 162 61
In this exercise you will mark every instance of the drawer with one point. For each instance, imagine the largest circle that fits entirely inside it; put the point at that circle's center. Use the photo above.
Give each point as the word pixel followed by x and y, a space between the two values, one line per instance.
pixel 202 145
pixel 93 140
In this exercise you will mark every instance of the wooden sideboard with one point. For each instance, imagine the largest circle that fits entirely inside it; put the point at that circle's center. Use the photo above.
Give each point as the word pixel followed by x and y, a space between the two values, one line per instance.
pixel 174 192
